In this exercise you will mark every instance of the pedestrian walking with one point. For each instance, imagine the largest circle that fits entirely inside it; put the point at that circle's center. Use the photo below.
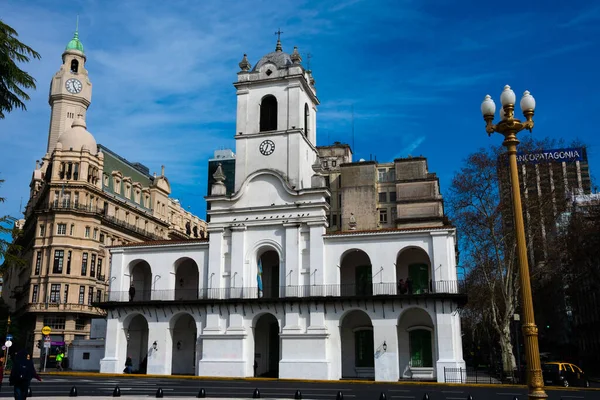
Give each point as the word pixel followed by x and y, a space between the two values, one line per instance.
pixel 21 374
pixel 132 292
pixel 128 365
pixel 59 360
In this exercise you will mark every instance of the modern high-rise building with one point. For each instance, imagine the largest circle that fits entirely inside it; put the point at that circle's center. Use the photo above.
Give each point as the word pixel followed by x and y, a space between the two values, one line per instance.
pixel 547 179
pixel 83 199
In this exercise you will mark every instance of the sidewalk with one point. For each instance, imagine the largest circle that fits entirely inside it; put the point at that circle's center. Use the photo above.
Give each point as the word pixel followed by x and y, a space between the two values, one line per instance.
pixel 149 397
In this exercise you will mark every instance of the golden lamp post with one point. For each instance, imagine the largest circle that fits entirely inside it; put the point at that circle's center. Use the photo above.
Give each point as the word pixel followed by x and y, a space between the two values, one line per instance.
pixel 509 126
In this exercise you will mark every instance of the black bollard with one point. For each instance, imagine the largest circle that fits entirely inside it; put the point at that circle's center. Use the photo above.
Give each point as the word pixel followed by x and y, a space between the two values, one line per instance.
pixel 340 396
pixel 73 392
pixel 382 396
pixel 256 394
pixel 201 394
pixel 117 392
pixel 298 395
pixel 469 397
pixel 159 393
pixel 426 397
pixel 29 394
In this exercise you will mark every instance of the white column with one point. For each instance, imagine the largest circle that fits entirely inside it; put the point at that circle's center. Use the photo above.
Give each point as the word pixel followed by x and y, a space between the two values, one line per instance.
pixel 292 259
pixel 215 261
pixel 238 251
pixel 115 347
pixel 159 360
pixel 317 252
pixel 385 344
pixel 448 341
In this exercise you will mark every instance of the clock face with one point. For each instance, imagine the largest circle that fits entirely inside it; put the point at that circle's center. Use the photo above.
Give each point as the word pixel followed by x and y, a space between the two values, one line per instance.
pixel 267 147
pixel 73 86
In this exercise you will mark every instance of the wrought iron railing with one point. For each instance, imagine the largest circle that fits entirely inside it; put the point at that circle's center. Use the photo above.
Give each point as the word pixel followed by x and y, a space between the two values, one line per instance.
pixel 101 212
pixel 291 291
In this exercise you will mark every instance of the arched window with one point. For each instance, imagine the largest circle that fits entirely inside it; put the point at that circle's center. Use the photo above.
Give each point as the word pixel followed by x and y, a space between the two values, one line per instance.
pixel 74 66
pixel 306 119
pixel 268 114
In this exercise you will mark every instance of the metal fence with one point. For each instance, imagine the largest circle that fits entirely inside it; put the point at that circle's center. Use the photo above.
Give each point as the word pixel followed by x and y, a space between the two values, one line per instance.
pixel 480 375
pixel 291 291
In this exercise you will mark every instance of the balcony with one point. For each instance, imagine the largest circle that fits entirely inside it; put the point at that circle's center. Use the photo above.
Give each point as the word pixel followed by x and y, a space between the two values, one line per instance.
pixel 100 212
pixel 63 307
pixel 343 291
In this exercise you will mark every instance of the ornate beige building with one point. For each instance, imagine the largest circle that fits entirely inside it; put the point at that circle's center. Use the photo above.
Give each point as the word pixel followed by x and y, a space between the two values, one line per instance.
pixel 83 198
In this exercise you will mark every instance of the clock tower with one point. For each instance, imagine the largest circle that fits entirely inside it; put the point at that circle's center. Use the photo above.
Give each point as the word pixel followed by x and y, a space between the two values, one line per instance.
pixel 70 91
pixel 276 118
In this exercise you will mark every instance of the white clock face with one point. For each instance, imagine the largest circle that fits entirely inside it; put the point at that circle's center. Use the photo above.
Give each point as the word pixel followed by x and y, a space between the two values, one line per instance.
pixel 267 147
pixel 73 86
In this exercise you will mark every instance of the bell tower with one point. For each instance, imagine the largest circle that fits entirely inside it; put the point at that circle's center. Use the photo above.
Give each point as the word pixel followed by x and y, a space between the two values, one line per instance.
pixel 70 90
pixel 276 118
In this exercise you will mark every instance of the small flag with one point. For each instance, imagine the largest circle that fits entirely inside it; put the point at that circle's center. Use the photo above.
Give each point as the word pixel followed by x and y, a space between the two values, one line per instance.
pixel 259 279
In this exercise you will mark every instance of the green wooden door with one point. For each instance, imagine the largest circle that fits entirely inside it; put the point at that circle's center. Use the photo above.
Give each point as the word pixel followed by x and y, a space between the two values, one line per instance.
pixel 419 275
pixel 364 350
pixel 420 348
pixel 364 280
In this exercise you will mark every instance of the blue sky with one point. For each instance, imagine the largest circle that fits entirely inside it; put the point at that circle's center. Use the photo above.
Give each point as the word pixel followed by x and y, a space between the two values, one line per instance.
pixel 415 72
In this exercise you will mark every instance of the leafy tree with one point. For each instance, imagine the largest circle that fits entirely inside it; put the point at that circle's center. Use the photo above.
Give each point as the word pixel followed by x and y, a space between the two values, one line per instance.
pixel 9 251
pixel 480 206
pixel 13 78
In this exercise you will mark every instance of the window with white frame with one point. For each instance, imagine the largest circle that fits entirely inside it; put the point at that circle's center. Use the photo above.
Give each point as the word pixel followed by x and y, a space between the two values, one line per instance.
pixel 383 216
pixel 61 229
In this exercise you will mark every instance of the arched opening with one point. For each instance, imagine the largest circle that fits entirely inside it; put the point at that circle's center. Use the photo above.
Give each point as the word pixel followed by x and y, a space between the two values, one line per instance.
pixel 413 272
pixel 74 66
pixel 136 334
pixel 266 346
pixel 141 281
pixel 416 345
pixel 186 279
pixel 184 336
pixel 306 119
pixel 358 350
pixel 356 274
pixel 268 275
pixel 268 114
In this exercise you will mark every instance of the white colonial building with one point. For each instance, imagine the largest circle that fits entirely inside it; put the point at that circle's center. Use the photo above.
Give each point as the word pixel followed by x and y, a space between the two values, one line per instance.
pixel 270 293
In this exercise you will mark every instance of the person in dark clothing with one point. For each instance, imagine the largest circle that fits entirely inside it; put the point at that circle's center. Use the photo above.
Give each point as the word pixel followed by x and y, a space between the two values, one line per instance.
pixel 131 292
pixel 21 374
pixel 128 365
pixel 144 365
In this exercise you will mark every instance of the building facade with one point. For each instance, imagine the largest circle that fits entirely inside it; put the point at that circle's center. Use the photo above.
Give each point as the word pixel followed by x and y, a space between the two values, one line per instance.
pixel 83 198
pixel 271 292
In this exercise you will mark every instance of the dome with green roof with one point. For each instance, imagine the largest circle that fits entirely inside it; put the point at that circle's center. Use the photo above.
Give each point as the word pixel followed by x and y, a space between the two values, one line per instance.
pixel 75 43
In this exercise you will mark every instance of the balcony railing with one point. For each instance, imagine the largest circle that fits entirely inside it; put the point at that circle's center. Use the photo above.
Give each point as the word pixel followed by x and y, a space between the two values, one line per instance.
pixel 335 290
pixel 73 206
pixel 55 306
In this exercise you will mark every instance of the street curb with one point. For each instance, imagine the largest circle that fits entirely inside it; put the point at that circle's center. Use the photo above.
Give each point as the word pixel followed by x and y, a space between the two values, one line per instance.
pixel 351 381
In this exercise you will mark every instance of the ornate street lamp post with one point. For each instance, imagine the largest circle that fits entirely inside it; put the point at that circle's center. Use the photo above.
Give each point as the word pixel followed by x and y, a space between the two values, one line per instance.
pixel 509 126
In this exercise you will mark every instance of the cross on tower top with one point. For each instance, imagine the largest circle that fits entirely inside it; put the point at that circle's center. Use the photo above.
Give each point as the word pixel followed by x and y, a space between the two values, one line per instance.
pixel 278 46
pixel 278 33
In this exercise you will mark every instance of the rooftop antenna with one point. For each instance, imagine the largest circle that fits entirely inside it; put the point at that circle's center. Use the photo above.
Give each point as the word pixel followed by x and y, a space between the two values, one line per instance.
pixel 352 108
pixel 308 57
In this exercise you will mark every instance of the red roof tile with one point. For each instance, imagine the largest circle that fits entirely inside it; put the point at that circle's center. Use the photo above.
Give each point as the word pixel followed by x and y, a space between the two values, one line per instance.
pixel 160 243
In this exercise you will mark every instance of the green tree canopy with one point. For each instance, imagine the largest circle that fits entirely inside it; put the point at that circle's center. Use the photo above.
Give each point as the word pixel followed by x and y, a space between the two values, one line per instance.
pixel 12 78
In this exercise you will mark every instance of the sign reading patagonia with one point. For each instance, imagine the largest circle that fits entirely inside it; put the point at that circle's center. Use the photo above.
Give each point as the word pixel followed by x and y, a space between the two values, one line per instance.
pixel 559 155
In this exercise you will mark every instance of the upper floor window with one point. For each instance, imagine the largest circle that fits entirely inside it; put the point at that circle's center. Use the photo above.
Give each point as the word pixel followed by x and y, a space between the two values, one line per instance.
pixel 42 230
pixel 306 119
pixel 382 197
pixel 95 233
pixel 268 114
pixel 61 229
pixel 87 231
pixel 34 295
pixel 55 293
pixel 105 179
pixel 392 197
pixel 127 191
pixel 72 231
pixel 38 262
pixel 383 216
pixel 58 261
